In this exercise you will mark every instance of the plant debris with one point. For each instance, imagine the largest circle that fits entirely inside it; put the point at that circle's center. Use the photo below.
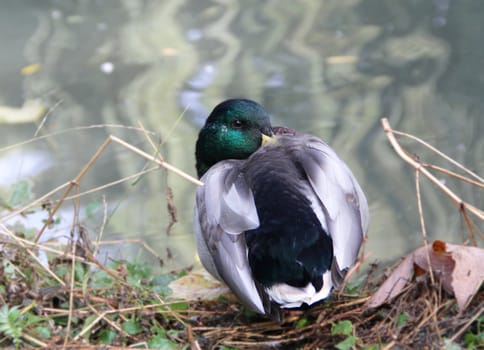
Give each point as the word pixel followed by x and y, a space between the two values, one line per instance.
pixel 458 268
pixel 127 305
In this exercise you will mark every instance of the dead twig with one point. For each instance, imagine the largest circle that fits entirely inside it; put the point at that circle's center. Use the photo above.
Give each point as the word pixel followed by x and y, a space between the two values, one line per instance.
pixel 76 181
pixel 463 206
pixel 458 202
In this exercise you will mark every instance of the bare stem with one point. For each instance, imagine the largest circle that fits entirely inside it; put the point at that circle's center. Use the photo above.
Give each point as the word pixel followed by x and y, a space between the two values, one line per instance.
pixel 458 202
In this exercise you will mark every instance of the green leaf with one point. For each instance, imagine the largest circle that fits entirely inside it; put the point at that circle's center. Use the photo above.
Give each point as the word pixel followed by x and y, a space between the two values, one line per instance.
pixel 344 327
pixel 302 322
pixel 163 291
pixel 353 287
pixel 107 336
pixel 475 340
pixel 9 269
pixel 79 271
pixel 21 193
pixel 161 342
pixel 179 306
pixel 32 319
pixel 132 327
pixel 402 319
pixel 163 280
pixel 160 284
pixel 138 272
pixel 347 344
pixel 44 332
pixel 11 323
pixel 61 271
pixel 91 208
pixel 101 279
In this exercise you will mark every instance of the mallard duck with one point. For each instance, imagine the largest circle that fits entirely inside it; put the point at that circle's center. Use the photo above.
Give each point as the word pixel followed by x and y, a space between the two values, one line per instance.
pixel 280 218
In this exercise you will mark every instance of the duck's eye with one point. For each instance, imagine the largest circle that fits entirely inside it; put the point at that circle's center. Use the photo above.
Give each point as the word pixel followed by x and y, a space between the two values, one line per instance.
pixel 237 124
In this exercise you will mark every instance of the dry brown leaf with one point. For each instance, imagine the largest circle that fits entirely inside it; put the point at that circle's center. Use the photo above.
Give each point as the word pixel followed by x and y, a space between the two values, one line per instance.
pixel 459 268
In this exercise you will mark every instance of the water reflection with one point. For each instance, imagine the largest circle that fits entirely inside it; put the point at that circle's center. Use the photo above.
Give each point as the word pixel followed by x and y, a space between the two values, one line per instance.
pixel 329 68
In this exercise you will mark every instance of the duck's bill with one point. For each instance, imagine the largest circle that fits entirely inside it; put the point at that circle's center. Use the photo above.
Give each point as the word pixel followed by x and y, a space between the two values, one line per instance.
pixel 267 139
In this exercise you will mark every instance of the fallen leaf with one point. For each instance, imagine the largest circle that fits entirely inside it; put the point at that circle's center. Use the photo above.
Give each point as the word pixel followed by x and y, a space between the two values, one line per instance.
pixel 459 269
pixel 197 286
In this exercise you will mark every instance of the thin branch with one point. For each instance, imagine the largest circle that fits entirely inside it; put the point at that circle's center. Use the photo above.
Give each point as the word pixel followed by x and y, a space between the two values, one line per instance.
pixel 443 155
pixel 459 203
pixel 161 163
pixel 70 185
pixel 422 224
pixel 453 174
pixel 71 294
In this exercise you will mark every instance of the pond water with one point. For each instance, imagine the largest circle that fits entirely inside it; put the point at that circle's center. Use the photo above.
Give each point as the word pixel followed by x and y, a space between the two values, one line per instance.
pixel 330 68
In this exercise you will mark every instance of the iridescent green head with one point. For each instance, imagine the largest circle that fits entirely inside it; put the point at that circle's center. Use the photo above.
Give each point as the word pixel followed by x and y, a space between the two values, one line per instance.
pixel 232 131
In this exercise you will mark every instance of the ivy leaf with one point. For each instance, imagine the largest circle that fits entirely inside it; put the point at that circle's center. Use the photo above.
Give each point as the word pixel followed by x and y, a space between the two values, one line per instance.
pixel 162 343
pixel 132 327
pixel 344 327
pixel 107 336
pixel 347 344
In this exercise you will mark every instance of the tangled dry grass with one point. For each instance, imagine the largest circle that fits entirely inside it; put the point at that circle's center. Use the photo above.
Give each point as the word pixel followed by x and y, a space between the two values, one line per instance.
pixel 423 316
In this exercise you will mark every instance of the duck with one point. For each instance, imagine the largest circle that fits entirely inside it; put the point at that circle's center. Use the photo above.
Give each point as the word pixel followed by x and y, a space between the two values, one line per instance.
pixel 280 218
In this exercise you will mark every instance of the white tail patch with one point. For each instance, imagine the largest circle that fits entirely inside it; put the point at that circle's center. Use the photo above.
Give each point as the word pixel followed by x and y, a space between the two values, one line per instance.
pixel 288 296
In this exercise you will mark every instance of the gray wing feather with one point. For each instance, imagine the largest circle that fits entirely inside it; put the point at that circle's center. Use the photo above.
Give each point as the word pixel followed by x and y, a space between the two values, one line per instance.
pixel 340 195
pixel 224 209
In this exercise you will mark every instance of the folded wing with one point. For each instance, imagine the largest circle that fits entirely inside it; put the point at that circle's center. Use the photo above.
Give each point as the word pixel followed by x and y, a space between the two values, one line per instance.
pixel 224 209
pixel 342 200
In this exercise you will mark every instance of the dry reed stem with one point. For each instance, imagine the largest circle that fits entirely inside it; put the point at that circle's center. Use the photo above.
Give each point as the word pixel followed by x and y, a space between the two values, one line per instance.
pixel 102 316
pixel 66 131
pixel 150 141
pixel 174 125
pixel 76 181
pixel 34 340
pixel 442 154
pixel 453 174
pixel 113 183
pixel 46 115
pixel 75 226
pixel 164 164
pixel 422 223
pixel 418 166
pixel 458 202
pixel 103 226
pixel 71 294
pixel 132 240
